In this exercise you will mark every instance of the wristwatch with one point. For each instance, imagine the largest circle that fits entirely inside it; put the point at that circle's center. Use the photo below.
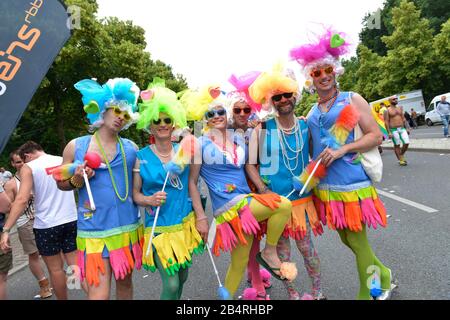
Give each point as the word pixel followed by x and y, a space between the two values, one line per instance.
pixel 6 230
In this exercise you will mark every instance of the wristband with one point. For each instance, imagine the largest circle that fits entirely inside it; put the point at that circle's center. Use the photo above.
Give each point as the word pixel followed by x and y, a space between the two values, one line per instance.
pixel 75 184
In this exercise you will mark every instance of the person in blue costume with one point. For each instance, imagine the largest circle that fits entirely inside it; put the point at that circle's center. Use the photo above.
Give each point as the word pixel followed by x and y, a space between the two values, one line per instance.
pixel 109 238
pixel 283 148
pixel 345 198
pixel 236 210
pixel 178 231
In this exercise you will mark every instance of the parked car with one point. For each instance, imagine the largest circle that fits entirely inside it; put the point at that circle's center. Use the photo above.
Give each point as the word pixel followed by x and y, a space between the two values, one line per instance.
pixel 432 117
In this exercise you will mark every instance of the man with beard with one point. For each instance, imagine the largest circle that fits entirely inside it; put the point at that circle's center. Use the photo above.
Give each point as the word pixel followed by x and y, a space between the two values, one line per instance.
pixel 283 144
pixel 398 129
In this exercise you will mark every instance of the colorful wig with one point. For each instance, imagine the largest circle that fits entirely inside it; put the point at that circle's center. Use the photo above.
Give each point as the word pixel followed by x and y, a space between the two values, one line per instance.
pixel 242 85
pixel 120 92
pixel 156 99
pixel 270 83
pixel 326 50
pixel 198 102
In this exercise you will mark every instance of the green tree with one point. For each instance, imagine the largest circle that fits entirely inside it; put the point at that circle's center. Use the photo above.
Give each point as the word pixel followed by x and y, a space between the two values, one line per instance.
pixel 305 103
pixel 436 11
pixel 409 60
pixel 347 81
pixel 368 75
pixel 100 49
pixel 441 46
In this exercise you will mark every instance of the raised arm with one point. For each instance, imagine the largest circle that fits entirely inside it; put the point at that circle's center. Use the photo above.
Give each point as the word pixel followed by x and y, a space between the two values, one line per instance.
pixel 68 157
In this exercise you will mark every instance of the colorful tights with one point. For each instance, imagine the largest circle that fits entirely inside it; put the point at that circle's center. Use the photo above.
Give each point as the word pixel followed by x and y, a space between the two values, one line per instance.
pixel 277 219
pixel 365 261
pixel 172 286
pixel 310 258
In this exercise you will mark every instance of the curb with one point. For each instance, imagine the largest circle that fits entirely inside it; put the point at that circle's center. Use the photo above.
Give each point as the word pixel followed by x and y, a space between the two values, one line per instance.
pixel 447 151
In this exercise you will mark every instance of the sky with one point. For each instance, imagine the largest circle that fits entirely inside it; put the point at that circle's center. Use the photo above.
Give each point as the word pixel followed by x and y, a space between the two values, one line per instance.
pixel 208 40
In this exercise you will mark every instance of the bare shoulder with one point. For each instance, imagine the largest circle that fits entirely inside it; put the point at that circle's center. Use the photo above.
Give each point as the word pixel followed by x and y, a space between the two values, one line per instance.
pixel 135 146
pixel 69 152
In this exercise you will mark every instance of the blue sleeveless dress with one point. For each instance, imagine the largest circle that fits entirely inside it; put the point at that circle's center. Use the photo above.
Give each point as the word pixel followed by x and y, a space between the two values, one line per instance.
pixel 176 237
pixel 345 198
pixel 229 192
pixel 113 228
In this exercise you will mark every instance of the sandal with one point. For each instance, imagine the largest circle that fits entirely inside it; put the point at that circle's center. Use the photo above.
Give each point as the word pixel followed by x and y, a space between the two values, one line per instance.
pixel 262 262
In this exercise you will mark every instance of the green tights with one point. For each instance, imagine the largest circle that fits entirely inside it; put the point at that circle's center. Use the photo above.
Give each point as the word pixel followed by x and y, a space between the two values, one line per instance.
pixel 365 261
pixel 277 220
pixel 172 286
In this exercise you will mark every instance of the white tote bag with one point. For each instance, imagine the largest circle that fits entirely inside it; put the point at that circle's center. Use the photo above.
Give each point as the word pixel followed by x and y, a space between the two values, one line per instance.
pixel 370 160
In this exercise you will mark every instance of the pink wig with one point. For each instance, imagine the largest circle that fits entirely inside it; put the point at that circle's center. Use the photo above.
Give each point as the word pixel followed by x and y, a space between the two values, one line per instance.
pixel 242 84
pixel 329 44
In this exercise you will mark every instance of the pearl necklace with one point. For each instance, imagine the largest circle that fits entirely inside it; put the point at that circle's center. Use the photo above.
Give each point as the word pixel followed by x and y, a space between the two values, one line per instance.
pixel 154 148
pixel 298 148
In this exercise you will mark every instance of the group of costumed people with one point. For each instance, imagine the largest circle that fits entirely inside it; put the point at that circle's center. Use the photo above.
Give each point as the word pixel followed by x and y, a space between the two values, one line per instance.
pixel 281 178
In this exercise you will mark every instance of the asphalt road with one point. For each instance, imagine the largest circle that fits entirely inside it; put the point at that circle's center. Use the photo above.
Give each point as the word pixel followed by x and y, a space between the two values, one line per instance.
pixel 415 245
pixel 425 132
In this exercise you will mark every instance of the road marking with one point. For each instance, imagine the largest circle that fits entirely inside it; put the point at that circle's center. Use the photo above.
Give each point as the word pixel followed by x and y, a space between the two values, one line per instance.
pixel 408 202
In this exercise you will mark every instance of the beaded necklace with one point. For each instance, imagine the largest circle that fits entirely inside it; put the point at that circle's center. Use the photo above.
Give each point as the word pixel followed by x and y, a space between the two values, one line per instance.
pixel 284 144
pixel 125 171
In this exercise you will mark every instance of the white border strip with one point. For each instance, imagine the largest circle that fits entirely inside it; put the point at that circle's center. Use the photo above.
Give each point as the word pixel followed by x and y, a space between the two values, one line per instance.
pixel 408 202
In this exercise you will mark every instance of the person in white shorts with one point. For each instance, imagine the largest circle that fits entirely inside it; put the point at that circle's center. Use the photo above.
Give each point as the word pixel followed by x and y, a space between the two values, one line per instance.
pixel 398 129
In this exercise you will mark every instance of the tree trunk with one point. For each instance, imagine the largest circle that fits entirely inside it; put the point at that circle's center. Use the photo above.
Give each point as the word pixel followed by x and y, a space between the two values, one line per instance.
pixel 59 124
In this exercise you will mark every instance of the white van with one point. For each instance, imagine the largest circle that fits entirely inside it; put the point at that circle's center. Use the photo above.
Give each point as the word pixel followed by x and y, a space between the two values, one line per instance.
pixel 432 117
pixel 408 100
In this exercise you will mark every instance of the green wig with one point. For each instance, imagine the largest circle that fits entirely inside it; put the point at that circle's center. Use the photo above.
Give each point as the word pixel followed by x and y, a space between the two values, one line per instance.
pixel 156 99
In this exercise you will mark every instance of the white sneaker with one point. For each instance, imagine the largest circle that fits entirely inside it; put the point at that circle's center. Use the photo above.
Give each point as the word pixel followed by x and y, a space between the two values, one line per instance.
pixel 387 294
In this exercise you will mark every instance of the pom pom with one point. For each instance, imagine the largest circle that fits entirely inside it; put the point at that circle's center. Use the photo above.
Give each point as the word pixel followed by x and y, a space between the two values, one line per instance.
pixel 65 172
pixel 265 275
pixel 223 293
pixel 297 184
pixel 93 160
pixel 288 270
pixel 321 170
pixel 249 294
pixel 173 168
pixel 348 118
pixel 307 296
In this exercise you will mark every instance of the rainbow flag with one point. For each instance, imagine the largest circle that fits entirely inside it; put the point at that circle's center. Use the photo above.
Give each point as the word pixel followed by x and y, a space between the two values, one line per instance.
pixel 380 121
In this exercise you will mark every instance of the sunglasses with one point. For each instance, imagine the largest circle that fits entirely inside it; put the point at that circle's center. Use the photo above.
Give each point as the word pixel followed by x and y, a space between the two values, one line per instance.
pixel 278 97
pixel 318 72
pixel 165 120
pixel 211 114
pixel 239 111
pixel 118 112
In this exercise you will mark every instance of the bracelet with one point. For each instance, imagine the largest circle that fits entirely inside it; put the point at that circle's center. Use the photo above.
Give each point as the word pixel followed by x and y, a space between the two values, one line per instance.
pixel 75 184
pixel 203 218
